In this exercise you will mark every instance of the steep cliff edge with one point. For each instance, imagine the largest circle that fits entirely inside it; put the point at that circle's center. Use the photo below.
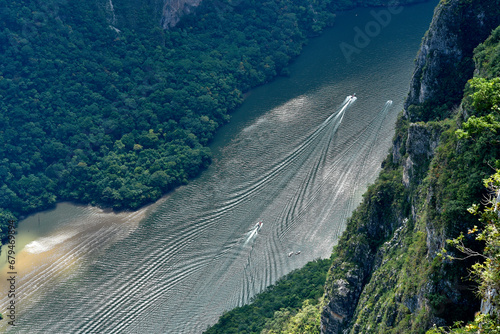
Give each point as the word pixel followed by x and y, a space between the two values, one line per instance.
pixel 355 256
pixel 370 259
pixel 173 10
pixel 386 276
pixel 444 62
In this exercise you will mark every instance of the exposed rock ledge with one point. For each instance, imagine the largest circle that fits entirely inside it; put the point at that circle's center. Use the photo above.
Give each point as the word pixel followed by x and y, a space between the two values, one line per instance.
pixel 173 10
pixel 456 29
pixel 422 141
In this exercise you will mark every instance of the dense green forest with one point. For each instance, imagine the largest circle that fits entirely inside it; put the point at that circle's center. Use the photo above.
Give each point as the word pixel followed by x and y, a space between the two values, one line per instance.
pixel 271 309
pixel 118 117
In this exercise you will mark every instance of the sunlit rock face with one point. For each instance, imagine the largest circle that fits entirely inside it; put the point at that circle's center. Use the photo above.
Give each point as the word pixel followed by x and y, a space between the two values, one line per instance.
pixel 457 28
pixel 124 13
pixel 173 10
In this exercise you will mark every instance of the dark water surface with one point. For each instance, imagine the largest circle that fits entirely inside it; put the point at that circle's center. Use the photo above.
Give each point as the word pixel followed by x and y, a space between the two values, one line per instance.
pixel 297 156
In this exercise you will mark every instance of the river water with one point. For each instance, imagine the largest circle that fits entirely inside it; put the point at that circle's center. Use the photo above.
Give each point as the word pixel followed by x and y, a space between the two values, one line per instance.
pixel 297 156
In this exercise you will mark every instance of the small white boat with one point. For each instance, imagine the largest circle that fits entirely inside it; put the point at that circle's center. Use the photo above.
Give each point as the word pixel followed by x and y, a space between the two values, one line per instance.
pixel 258 225
pixel 297 253
pixel 290 254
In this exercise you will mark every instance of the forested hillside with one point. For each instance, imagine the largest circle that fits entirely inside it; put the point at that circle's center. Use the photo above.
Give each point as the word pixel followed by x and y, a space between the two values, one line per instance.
pixel 118 117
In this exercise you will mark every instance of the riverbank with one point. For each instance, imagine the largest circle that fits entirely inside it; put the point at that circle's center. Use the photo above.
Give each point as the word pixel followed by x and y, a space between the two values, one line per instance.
pixel 134 142
pixel 278 162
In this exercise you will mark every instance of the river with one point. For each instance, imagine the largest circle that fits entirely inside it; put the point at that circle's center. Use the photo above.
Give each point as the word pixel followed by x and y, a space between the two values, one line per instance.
pixel 296 156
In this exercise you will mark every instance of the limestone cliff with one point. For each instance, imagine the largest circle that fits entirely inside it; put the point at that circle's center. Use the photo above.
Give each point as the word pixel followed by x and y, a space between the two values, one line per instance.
pixel 173 10
pixel 167 13
pixel 369 262
pixel 444 62
pixel 421 143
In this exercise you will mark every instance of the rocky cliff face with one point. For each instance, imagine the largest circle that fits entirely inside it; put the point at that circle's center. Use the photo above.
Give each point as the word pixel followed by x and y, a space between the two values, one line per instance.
pixel 173 10
pixel 167 13
pixel 357 255
pixel 386 276
pixel 456 29
pixel 421 143
pixel 368 288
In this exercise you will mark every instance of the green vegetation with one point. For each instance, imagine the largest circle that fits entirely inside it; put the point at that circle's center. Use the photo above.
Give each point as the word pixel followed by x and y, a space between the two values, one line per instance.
pixel 370 232
pixel 408 275
pixel 463 159
pixel 482 104
pixel 482 324
pixel 487 56
pixel 119 116
pixel 452 74
pixel 98 116
pixel 280 305
pixel 486 273
pixel 306 320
